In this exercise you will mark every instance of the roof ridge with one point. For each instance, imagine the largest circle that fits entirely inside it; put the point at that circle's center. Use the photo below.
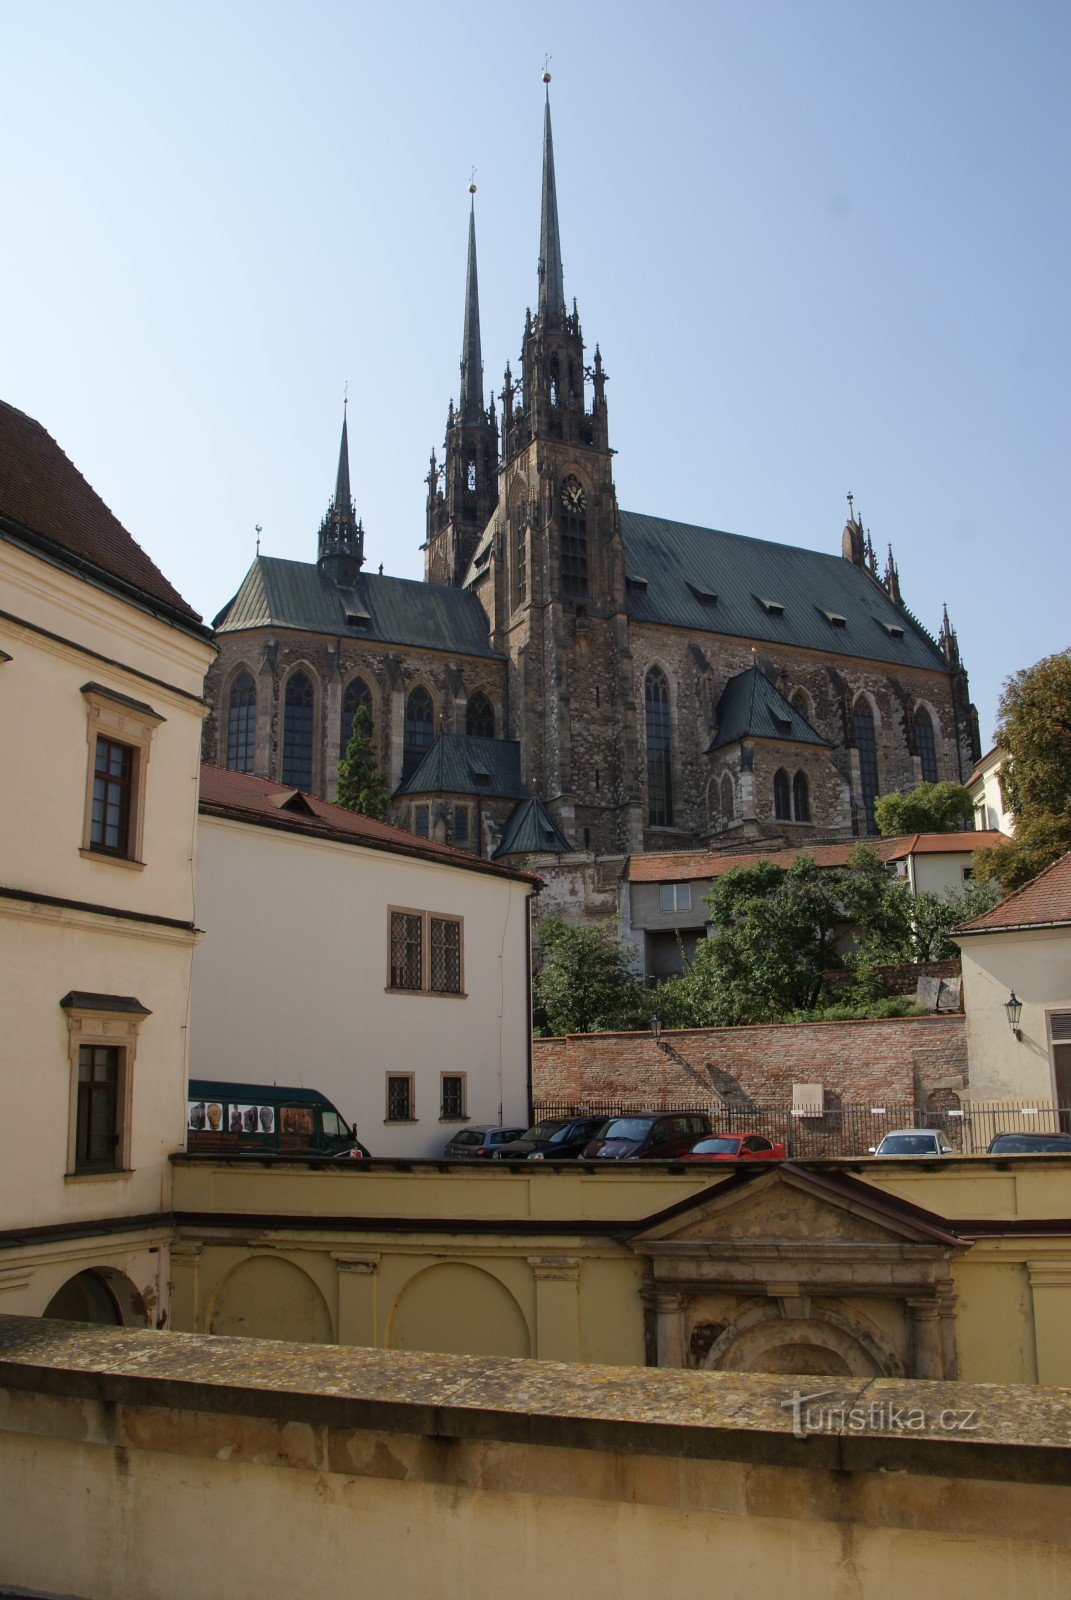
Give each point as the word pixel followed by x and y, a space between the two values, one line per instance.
pixel 1002 905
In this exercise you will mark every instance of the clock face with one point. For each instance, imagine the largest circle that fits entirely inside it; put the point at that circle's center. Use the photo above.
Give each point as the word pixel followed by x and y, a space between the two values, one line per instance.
pixel 573 498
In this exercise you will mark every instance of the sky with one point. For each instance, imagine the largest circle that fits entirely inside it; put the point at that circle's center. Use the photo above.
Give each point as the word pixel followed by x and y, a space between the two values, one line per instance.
pixel 824 248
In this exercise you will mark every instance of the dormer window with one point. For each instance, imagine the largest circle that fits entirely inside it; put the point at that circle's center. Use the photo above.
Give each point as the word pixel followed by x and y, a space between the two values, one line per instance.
pixel 893 629
pixel 835 619
pixel 706 597
pixel 773 608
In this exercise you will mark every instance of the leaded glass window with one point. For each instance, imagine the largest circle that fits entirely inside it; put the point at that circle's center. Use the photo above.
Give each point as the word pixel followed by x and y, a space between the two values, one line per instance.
pixel 419 730
pixel 113 783
pixel 926 745
pixel 357 694
pixel 574 540
pixel 782 810
pixel 445 955
pixel 659 765
pixel 406 950
pixel 867 746
pixel 241 723
pixel 801 797
pixel 297 732
pixel 480 716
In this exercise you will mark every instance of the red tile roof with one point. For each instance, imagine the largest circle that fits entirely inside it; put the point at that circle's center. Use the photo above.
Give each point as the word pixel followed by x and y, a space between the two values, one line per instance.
pixel 42 493
pixel 680 866
pixel 246 798
pixel 1041 903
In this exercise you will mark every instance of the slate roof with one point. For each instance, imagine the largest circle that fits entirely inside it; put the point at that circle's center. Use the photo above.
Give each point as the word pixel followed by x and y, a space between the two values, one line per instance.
pixel 676 570
pixel 294 594
pixel 460 763
pixel 531 830
pixel 682 866
pixel 752 707
pixel 243 797
pixel 44 496
pixel 1044 902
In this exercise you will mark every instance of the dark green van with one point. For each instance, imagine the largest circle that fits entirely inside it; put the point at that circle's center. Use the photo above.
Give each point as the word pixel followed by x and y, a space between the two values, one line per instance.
pixel 265 1119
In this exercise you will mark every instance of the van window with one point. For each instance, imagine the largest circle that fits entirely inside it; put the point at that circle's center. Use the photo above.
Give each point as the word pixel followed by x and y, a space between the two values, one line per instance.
pixel 333 1125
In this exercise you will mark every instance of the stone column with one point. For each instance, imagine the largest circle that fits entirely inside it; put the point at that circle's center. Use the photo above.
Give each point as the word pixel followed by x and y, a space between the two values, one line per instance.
pixel 358 1298
pixel 557 1315
pixel 926 1353
pixel 946 1303
pixel 669 1327
pixel 1050 1289
pixel 184 1311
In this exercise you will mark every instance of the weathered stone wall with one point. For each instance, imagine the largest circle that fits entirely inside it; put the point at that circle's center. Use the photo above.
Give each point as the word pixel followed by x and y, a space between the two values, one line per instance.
pixel 182 1467
pixel 900 1061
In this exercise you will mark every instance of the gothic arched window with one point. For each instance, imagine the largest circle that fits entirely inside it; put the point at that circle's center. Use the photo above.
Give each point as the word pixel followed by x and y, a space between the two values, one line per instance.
pixel 801 700
pixel 926 745
pixel 419 730
pixel 470 475
pixel 241 723
pixel 480 716
pixel 727 808
pixel 781 807
pixel 801 797
pixel 356 694
pixel 518 531
pixel 659 768
pixel 867 745
pixel 574 543
pixel 297 732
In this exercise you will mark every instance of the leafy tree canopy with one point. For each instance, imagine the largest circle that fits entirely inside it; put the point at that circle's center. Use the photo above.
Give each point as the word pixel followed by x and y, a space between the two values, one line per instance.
pixel 583 984
pixel 1034 734
pixel 928 808
pixel 361 786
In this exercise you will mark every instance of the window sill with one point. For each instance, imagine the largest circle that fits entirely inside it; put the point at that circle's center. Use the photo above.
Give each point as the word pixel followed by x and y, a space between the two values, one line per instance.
pixel 455 1119
pixel 98 1177
pixel 428 994
pixel 112 861
pixel 399 1122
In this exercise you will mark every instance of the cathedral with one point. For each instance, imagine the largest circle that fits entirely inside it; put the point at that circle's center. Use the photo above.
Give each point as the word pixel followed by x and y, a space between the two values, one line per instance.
pixel 573 678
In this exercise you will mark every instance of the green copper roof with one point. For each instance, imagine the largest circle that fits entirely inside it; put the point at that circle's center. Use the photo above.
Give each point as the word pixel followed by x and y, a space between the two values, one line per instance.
pixel 295 594
pixel 459 763
pixel 712 582
pixel 531 830
pixel 752 708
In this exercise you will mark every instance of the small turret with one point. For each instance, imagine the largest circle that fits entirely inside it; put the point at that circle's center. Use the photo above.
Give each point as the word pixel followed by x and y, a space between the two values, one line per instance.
pixel 948 642
pixel 892 580
pixel 851 543
pixel 341 539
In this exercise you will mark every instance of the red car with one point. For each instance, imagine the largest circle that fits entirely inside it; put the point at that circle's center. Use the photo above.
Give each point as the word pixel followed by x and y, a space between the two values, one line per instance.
pixel 735 1147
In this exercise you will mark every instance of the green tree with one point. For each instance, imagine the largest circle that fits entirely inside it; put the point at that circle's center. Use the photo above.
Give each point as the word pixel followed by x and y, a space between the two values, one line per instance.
pixel 1034 735
pixel 928 808
pixel 361 786
pixel 583 984
pixel 935 915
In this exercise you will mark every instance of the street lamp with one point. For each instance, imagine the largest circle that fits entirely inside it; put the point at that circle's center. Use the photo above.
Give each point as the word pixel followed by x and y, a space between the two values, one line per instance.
pixel 656 1031
pixel 1014 1008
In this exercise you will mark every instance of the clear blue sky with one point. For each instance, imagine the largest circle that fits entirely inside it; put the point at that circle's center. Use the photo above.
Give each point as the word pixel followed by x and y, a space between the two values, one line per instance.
pixel 823 246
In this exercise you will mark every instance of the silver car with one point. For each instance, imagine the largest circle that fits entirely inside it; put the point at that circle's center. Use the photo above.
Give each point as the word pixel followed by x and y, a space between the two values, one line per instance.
pixel 913 1142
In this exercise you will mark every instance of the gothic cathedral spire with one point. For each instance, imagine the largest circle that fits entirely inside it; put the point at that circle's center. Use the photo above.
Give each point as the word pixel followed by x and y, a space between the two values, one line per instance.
pixel 341 540
pixel 551 277
pixel 463 493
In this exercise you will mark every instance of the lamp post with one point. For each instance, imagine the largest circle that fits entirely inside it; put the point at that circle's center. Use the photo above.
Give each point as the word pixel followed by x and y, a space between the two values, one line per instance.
pixel 656 1031
pixel 1014 1008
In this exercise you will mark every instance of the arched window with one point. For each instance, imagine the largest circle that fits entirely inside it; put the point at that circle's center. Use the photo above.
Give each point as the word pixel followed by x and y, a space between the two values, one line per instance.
pixel 297 732
pixel 867 745
pixel 781 808
pixel 801 797
pixel 241 723
pixel 419 730
pixel 356 694
pixel 554 380
pixel 659 768
pixel 574 544
pixel 480 716
pixel 470 475
pixel 926 745
pixel 727 808
pixel 801 700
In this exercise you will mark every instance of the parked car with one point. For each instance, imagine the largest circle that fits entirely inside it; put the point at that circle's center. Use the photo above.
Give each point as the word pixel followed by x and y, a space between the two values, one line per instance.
pixel 266 1119
pixel 478 1144
pixel 1030 1144
pixel 650 1135
pixel 736 1147
pixel 913 1142
pixel 553 1139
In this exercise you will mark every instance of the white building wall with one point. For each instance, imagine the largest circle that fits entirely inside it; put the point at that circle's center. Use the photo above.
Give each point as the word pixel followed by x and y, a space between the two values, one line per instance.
pixel 290 983
pixel 1036 964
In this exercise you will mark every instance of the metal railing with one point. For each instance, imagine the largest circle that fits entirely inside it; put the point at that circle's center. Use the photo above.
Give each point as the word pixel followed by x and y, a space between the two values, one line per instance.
pixel 838 1129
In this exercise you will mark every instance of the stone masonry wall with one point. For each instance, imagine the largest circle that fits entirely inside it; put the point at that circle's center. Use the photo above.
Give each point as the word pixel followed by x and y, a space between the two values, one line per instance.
pixel 902 1061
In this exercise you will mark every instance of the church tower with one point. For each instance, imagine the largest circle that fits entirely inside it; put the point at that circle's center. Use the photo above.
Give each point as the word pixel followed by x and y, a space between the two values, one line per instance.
pixel 560 579
pixel 462 493
pixel 340 555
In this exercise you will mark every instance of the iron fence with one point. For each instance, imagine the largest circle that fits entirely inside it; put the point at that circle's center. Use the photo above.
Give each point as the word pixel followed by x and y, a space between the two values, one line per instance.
pixel 839 1129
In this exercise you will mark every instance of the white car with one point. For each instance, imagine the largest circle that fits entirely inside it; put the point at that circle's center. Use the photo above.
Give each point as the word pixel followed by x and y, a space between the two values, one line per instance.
pixel 914 1142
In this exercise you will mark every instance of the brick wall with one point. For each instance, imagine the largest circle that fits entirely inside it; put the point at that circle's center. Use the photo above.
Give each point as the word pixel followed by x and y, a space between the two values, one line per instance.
pixel 902 1061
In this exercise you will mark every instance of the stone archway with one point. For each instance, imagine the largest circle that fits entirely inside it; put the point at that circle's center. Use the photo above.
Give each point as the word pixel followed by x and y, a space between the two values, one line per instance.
pixel 102 1295
pixel 823 1343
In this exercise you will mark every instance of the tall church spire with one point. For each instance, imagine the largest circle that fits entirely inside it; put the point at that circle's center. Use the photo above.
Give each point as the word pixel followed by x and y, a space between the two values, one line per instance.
pixel 551 279
pixel 341 540
pixel 471 355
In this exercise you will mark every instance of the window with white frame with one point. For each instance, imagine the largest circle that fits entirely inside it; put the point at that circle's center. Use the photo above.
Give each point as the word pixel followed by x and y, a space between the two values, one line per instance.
pixel 426 953
pixel 674 897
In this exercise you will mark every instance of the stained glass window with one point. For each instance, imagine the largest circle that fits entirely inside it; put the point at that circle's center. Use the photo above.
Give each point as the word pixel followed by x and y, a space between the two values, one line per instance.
pixel 480 716
pixel 659 766
pixel 419 730
pixel 867 745
pixel 357 694
pixel 926 745
pixel 241 723
pixel 297 732
pixel 781 807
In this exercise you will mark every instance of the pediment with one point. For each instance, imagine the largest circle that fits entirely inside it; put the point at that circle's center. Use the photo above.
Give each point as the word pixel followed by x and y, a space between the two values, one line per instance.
pixel 791 1203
